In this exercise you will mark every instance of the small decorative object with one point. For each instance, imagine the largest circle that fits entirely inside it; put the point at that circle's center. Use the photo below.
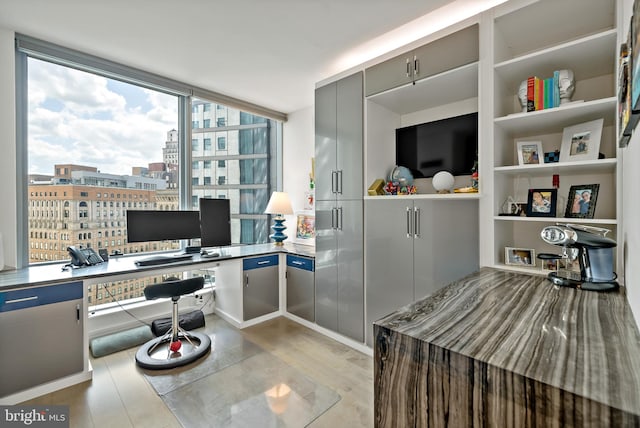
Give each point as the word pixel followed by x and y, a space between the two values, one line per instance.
pixel 305 227
pixel 566 85
pixel 512 207
pixel 401 176
pixel 309 199
pixel 474 176
pixel 542 202
pixel 279 204
pixel 519 256
pixel 443 182
pixel 581 142
pixel 522 95
pixel 407 190
pixel 391 188
pixel 529 152
pixel 376 188
pixel 549 264
pixel 551 157
pixel 581 201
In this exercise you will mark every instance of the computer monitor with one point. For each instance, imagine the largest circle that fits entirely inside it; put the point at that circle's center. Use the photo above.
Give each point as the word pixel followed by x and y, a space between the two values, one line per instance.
pixel 215 222
pixel 150 225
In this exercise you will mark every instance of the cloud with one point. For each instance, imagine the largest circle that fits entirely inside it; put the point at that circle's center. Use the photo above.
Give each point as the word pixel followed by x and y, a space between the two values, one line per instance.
pixel 77 117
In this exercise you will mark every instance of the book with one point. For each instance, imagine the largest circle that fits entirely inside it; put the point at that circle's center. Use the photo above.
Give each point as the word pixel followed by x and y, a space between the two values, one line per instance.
pixel 539 93
pixel 556 88
pixel 531 106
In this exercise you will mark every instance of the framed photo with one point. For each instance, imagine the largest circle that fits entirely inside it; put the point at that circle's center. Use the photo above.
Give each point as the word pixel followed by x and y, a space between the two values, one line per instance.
pixel 305 228
pixel 530 152
pixel 550 264
pixel 519 256
pixel 517 209
pixel 542 202
pixel 581 201
pixel 581 142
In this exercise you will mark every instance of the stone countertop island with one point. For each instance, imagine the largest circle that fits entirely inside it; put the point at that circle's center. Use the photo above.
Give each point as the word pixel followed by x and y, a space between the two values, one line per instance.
pixel 506 349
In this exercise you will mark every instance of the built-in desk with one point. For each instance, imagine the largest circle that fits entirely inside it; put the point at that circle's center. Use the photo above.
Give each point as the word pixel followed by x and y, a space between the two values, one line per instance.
pixel 502 349
pixel 38 301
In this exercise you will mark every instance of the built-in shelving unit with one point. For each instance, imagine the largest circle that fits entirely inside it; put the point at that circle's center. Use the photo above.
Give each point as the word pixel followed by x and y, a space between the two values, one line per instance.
pixel 588 46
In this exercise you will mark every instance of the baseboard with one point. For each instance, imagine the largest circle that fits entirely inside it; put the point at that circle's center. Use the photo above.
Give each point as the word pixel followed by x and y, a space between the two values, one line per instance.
pixel 46 388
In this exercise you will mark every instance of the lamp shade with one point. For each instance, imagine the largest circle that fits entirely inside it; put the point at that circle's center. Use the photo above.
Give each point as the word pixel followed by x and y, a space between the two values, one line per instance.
pixel 279 204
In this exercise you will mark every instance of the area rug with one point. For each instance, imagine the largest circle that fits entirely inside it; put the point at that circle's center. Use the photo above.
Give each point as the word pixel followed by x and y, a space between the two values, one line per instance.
pixel 238 384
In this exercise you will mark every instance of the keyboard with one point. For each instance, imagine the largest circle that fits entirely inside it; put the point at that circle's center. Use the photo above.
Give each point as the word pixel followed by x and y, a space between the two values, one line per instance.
pixel 163 260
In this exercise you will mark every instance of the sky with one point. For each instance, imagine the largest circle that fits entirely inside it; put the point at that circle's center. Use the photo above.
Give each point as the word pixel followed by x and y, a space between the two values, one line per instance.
pixel 80 118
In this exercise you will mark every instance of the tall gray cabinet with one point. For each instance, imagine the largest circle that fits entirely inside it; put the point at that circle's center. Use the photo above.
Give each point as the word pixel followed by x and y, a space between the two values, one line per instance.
pixel 415 247
pixel 339 283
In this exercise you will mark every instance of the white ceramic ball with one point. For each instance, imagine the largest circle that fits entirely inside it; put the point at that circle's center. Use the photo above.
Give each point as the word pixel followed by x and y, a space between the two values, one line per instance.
pixel 443 182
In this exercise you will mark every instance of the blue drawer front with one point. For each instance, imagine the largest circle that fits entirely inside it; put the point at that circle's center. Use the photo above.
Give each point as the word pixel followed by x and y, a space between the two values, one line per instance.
pixel 38 296
pixel 259 262
pixel 300 262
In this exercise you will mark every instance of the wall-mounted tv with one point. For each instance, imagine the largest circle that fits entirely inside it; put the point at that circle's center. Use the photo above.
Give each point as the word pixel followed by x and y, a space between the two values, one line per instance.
pixel 449 144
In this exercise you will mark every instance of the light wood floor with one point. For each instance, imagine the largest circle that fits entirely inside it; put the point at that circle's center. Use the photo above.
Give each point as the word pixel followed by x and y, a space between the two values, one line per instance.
pixel 119 396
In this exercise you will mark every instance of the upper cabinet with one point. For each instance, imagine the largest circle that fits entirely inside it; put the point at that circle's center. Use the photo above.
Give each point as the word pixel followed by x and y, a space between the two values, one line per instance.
pixel 536 40
pixel 447 53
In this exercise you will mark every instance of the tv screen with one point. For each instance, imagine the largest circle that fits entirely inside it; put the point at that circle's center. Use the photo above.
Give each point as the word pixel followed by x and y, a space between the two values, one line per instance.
pixel 150 225
pixel 215 222
pixel 444 145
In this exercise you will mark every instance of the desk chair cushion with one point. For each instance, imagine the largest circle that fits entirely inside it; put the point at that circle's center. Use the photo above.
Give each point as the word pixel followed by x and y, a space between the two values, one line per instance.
pixel 173 288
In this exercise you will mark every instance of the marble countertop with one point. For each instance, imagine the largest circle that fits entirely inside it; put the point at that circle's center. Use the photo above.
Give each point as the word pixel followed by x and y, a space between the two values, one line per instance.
pixel 53 273
pixel 583 342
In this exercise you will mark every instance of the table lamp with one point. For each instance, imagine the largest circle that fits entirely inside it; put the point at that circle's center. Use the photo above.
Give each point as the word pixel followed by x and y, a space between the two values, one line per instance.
pixel 279 204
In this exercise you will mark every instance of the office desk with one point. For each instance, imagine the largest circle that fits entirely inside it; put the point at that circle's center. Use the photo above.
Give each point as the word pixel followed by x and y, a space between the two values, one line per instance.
pixel 34 301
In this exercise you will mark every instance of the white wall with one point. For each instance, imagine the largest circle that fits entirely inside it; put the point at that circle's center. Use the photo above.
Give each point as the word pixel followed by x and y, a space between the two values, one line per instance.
pixel 7 147
pixel 631 203
pixel 298 149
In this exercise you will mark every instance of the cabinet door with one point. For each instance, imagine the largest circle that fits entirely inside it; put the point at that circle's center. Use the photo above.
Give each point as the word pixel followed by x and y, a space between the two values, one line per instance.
pixel 436 57
pixel 42 337
pixel 446 246
pixel 389 259
pixel 260 293
pixel 326 277
pixel 349 137
pixel 300 287
pixel 390 74
pixel 325 143
pixel 350 262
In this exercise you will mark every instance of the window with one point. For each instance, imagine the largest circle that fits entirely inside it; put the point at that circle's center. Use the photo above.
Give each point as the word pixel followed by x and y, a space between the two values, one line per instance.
pixel 222 143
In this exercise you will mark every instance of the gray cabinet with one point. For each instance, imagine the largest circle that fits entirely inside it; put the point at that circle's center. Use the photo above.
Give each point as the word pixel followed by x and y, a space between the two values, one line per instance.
pixel 301 286
pixel 414 247
pixel 446 53
pixel 41 329
pixel 339 286
pixel 338 139
pixel 339 267
pixel 260 288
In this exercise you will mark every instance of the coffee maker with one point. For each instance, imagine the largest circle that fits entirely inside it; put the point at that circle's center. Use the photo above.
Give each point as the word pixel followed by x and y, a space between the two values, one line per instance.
pixel 592 250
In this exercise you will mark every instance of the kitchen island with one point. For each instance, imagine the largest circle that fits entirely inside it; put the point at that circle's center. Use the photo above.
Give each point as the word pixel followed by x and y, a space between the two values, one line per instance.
pixel 502 349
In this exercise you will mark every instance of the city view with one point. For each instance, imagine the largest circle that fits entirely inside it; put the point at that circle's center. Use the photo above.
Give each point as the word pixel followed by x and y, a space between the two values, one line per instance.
pixel 99 147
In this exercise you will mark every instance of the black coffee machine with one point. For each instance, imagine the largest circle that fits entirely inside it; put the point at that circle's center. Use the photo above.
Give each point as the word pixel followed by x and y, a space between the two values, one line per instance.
pixel 590 248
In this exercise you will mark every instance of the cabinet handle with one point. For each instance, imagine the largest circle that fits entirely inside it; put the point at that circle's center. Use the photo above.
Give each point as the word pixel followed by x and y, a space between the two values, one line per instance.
pixel 24 299
pixel 78 314
pixel 334 218
pixel 408 222
pixel 416 222
pixel 246 280
pixel 339 175
pixel 416 66
pixel 340 218
pixel 408 68
pixel 334 181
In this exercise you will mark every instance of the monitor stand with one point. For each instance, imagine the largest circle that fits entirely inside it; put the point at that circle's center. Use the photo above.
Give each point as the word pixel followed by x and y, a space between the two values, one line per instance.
pixel 210 253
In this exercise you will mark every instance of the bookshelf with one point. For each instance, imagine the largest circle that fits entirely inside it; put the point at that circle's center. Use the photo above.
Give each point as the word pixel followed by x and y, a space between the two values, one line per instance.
pixel 587 45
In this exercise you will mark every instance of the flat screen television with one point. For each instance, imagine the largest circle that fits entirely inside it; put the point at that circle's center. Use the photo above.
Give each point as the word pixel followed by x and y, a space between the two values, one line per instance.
pixel 215 222
pixel 443 145
pixel 152 225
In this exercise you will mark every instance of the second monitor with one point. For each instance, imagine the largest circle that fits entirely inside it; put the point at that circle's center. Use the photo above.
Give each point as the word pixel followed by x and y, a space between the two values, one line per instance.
pixel 215 223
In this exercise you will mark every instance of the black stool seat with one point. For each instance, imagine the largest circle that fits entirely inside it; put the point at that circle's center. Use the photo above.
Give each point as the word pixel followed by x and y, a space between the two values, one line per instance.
pixel 172 288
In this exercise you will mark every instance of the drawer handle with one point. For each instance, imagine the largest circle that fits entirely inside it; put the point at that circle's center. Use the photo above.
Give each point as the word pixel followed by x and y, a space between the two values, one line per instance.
pixel 24 299
pixel 264 262
pixel 297 263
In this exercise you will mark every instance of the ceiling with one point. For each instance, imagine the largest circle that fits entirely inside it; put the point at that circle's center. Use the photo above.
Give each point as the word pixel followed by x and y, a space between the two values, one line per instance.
pixel 267 52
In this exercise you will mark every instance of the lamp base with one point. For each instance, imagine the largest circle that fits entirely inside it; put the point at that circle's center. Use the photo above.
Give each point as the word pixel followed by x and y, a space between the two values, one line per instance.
pixel 278 227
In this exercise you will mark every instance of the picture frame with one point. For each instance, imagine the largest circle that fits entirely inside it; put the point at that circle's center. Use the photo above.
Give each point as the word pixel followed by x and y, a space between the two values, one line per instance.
pixel 517 209
pixel 530 152
pixel 581 201
pixel 581 142
pixel 519 256
pixel 305 227
pixel 542 202
pixel 550 265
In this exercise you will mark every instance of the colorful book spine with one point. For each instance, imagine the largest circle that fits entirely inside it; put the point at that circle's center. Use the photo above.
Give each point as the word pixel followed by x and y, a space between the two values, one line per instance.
pixel 556 88
pixel 531 99
pixel 539 94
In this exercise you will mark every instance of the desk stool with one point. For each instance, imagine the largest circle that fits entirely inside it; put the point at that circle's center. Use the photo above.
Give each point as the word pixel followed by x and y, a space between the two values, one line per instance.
pixel 177 346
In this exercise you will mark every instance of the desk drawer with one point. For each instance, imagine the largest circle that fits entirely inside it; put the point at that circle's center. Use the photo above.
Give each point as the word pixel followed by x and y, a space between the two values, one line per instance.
pixel 38 296
pixel 299 262
pixel 259 262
